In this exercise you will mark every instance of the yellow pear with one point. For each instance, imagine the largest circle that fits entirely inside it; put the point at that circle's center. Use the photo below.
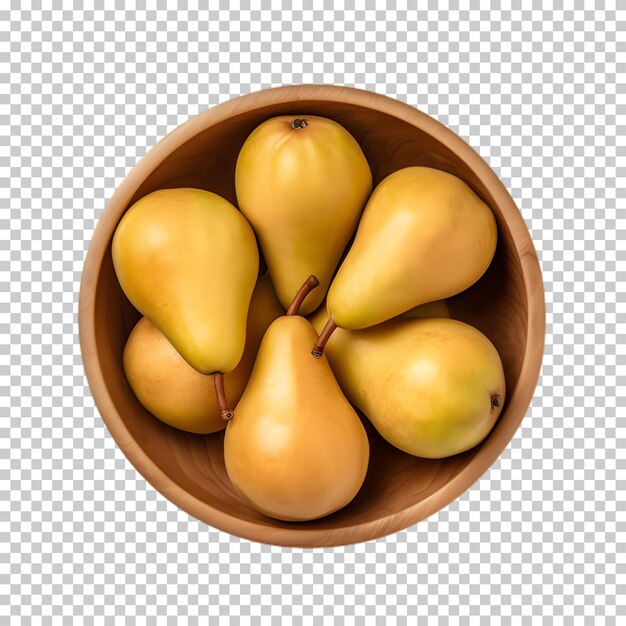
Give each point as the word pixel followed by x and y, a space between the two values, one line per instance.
pixel 295 449
pixel 431 387
pixel 302 182
pixel 438 308
pixel 187 259
pixel 424 235
pixel 168 387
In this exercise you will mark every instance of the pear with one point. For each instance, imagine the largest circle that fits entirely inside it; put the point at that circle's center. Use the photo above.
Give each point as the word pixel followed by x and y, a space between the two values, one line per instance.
pixel 302 182
pixel 187 259
pixel 172 390
pixel 424 235
pixel 431 387
pixel 295 449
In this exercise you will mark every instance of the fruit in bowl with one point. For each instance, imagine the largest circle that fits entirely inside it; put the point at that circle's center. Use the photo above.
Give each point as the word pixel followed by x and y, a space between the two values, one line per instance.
pixel 302 182
pixel 296 449
pixel 431 387
pixel 503 305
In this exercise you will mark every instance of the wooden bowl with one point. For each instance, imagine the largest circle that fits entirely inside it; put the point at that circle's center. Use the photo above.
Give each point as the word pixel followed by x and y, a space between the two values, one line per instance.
pixel 506 304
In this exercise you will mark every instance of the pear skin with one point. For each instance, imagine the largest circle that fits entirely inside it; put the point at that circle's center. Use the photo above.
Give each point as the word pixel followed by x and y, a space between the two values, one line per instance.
pixel 188 261
pixel 172 390
pixel 438 308
pixel 302 182
pixel 431 387
pixel 295 449
pixel 424 235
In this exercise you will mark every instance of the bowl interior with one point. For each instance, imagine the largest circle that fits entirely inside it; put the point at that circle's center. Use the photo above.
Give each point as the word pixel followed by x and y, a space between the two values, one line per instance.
pixel 395 482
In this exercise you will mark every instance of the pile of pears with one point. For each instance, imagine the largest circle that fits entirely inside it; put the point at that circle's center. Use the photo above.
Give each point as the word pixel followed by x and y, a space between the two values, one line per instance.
pixel 223 345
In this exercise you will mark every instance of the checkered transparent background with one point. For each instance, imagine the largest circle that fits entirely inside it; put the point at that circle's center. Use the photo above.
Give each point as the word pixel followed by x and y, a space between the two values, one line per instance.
pixel 84 94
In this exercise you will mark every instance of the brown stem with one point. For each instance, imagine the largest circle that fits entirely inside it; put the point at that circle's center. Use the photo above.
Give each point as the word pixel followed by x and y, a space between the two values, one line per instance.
pixel 298 123
pixel 496 400
pixel 225 411
pixel 309 284
pixel 322 340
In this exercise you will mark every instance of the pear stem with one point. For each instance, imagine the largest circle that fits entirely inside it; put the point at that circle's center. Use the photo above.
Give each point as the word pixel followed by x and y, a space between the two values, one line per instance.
pixel 496 400
pixel 298 123
pixel 309 284
pixel 225 411
pixel 322 340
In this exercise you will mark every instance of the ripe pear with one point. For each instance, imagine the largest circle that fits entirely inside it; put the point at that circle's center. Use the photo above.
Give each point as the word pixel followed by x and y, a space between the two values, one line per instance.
pixel 424 235
pixel 187 259
pixel 177 394
pixel 295 449
pixel 431 387
pixel 302 182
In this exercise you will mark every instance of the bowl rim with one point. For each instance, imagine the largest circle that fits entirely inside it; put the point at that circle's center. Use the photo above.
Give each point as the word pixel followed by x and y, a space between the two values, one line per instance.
pixel 298 536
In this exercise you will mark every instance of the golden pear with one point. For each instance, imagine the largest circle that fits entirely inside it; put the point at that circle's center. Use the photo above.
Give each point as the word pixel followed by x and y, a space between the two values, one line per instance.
pixel 177 394
pixel 295 449
pixel 431 387
pixel 424 235
pixel 302 182
pixel 188 260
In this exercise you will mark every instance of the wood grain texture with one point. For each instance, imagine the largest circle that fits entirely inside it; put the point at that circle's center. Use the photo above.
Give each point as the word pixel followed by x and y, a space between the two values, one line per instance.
pixel 507 304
